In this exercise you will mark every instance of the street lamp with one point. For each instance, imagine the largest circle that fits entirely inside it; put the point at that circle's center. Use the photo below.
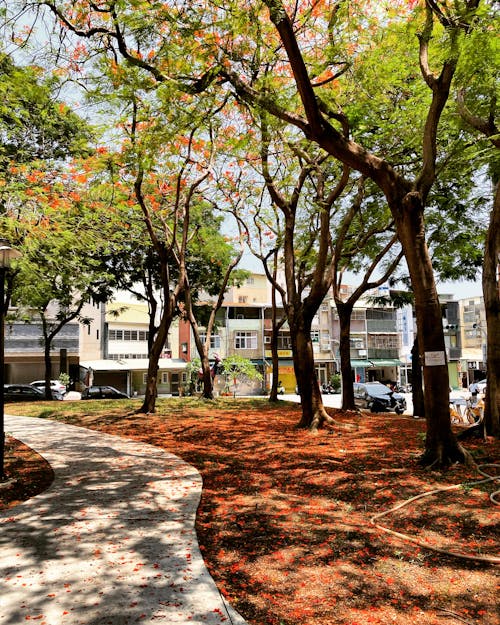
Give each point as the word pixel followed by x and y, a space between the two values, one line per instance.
pixel 7 255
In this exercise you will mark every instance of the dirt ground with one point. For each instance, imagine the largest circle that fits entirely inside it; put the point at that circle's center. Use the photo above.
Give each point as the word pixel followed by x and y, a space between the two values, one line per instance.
pixel 286 518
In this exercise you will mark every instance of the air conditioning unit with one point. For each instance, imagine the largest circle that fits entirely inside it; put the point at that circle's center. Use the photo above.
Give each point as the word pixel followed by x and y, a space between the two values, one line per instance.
pixel 362 352
pixel 267 339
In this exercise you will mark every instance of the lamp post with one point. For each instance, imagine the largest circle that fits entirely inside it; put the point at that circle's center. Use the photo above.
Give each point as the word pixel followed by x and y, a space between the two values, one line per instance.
pixel 7 255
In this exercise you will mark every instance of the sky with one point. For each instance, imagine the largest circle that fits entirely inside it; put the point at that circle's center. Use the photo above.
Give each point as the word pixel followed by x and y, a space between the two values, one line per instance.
pixel 459 290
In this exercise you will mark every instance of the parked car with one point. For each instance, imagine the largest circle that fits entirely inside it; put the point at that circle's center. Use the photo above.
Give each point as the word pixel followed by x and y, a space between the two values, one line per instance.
pixel 26 392
pixel 103 392
pixel 378 397
pixel 55 385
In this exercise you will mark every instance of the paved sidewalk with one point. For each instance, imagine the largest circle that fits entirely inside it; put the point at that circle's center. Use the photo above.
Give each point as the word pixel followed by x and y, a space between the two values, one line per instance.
pixel 112 541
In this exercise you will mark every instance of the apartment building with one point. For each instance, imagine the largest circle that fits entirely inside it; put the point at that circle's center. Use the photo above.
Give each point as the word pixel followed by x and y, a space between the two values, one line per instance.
pixel 112 343
pixel 464 326
pixel 24 347
pixel 122 358
pixel 244 327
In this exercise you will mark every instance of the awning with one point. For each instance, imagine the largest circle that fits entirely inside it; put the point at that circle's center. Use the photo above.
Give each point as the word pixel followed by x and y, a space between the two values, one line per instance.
pixel 375 362
pixel 361 364
pixel 386 362
pixel 134 364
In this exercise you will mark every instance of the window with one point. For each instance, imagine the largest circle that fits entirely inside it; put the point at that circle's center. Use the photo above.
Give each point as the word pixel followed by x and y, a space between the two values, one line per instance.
pixel 128 335
pixel 358 315
pixel 214 340
pixel 245 340
pixel 242 299
pixel 315 336
pixel 164 377
pixel 284 341
pixel 250 280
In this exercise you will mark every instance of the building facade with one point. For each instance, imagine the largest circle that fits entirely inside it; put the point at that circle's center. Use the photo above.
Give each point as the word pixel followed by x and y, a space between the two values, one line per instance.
pixel 112 342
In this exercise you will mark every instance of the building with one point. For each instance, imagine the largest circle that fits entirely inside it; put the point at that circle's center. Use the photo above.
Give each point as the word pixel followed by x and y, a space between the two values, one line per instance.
pixel 111 342
pixel 244 327
pixel 24 346
pixel 464 326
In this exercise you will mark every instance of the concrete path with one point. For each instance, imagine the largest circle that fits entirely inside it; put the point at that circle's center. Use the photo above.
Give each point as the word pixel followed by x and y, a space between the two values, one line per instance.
pixel 112 541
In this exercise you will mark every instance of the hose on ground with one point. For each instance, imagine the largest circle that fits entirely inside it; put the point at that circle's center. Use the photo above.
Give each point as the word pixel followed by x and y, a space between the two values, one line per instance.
pixel 420 543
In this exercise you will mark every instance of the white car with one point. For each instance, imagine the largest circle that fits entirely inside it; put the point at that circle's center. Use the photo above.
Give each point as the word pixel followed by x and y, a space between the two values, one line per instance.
pixel 481 386
pixel 55 385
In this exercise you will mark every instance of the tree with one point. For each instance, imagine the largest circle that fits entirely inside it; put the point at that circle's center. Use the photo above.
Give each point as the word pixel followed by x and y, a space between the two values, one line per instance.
pixel 366 243
pixel 239 369
pixel 224 259
pixel 304 186
pixel 59 272
pixel 405 198
pixel 477 105
pixel 406 189
pixel 38 135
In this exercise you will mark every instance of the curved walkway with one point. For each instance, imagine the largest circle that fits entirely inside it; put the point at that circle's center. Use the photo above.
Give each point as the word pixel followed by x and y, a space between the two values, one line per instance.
pixel 112 541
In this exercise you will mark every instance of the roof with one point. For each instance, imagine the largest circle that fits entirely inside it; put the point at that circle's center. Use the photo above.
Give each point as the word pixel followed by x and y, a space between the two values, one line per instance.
pixel 134 364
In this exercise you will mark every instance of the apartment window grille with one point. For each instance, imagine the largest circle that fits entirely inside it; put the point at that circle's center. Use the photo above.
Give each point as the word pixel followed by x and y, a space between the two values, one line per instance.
pixel 284 341
pixel 128 335
pixel 245 340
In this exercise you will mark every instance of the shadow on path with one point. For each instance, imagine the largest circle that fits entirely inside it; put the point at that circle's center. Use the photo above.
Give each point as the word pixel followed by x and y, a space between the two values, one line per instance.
pixel 112 541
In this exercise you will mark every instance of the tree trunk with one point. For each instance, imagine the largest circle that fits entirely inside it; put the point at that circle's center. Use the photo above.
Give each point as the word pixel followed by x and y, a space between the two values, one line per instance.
pixel 441 446
pixel 149 403
pixel 313 411
pixel 48 368
pixel 207 379
pixel 273 395
pixel 276 326
pixel 47 360
pixel 491 294
pixel 417 387
pixel 345 311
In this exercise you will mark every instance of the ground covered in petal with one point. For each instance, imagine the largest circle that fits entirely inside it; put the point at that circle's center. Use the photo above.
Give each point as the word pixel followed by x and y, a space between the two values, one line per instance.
pixel 286 522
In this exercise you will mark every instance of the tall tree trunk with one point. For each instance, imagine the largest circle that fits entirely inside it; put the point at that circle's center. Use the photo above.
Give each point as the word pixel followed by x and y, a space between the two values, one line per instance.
pixel 313 411
pixel 406 203
pixel 273 394
pixel 149 403
pixel 345 311
pixel 151 393
pixel 276 326
pixel 441 445
pixel 47 360
pixel 417 382
pixel 491 294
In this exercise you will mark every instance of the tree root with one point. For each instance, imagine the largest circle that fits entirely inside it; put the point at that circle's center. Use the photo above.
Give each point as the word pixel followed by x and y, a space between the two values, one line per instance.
pixel 445 456
pixel 321 417
pixel 407 538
